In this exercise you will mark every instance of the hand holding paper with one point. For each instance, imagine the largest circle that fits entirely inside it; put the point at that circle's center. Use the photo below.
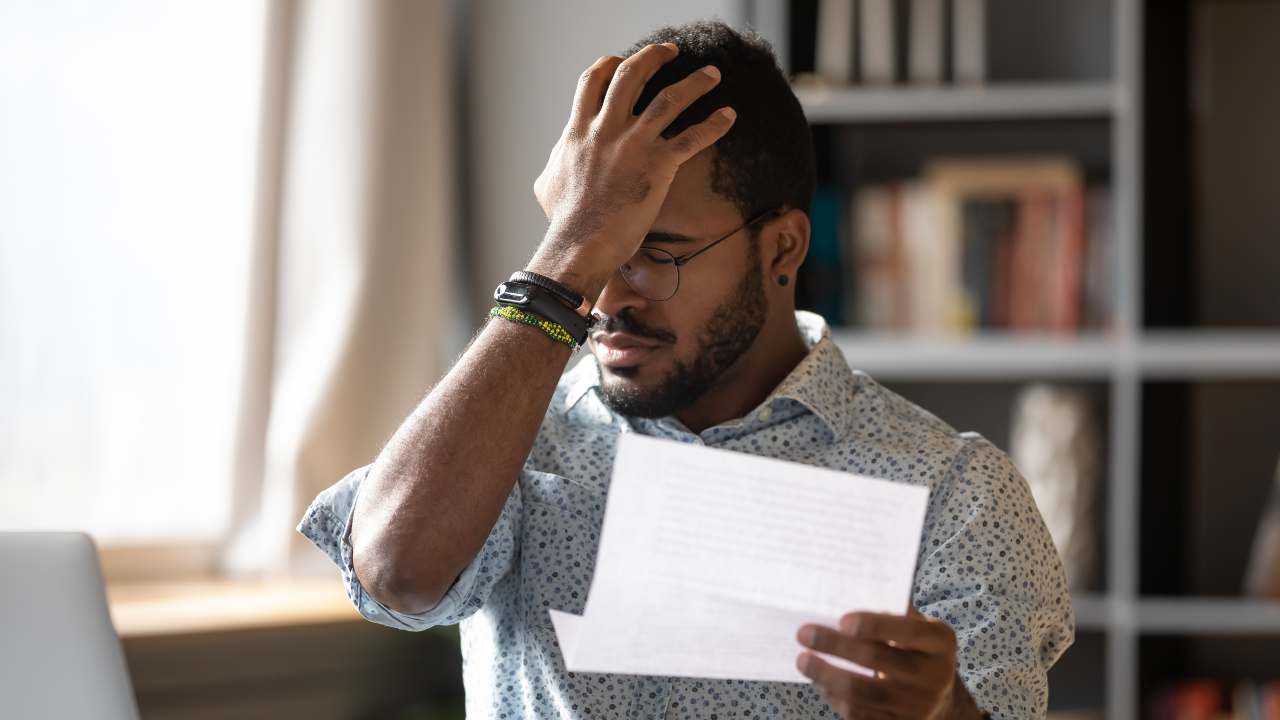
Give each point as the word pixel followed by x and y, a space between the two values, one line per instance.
pixel 710 561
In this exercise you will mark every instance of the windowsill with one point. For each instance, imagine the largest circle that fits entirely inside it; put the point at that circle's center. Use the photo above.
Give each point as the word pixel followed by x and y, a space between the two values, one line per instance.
pixel 183 607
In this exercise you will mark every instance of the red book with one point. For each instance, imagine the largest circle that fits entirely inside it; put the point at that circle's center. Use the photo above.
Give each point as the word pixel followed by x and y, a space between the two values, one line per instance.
pixel 1068 262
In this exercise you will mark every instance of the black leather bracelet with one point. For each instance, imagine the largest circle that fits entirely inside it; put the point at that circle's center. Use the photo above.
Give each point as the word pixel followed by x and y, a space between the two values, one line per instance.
pixel 542 302
pixel 573 300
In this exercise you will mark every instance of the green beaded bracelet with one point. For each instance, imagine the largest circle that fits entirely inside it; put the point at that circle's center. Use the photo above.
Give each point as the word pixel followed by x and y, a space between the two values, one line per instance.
pixel 553 330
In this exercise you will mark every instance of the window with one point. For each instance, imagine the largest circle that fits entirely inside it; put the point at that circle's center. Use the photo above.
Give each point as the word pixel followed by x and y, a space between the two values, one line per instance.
pixel 127 165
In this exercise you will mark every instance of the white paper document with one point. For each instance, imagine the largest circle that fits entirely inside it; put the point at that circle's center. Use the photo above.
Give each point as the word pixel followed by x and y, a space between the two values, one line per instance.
pixel 711 560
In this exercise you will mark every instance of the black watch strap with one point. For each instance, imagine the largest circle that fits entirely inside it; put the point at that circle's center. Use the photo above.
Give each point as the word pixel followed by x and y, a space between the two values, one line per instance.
pixel 541 301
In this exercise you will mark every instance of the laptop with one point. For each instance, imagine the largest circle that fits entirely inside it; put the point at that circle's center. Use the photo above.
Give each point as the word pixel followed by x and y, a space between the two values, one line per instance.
pixel 59 653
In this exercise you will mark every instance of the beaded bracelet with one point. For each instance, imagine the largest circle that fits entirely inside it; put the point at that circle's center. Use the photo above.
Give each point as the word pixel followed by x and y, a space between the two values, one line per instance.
pixel 553 330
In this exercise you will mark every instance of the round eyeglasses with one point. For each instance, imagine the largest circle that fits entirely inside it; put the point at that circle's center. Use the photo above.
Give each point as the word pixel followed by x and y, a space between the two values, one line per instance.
pixel 654 273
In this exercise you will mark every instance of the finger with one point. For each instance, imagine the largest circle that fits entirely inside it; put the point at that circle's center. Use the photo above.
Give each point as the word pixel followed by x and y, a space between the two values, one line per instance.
pixel 589 97
pixel 694 140
pixel 922 634
pixel 676 97
pixel 893 662
pixel 630 79
pixel 842 687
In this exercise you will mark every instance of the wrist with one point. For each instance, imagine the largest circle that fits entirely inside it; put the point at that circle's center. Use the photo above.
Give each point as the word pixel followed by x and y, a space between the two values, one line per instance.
pixel 574 268
pixel 963 706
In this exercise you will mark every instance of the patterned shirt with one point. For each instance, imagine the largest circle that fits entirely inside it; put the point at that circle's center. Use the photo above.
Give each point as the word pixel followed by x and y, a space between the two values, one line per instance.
pixel 986 564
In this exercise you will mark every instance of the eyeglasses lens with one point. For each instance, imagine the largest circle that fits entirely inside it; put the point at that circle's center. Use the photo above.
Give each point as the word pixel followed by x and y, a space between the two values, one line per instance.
pixel 652 272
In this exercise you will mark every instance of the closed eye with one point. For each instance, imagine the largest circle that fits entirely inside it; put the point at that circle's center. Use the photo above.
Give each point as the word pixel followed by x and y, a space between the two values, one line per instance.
pixel 658 257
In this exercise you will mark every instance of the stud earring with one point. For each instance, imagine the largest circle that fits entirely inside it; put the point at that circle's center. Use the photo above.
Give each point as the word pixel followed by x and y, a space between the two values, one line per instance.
pixel 782 279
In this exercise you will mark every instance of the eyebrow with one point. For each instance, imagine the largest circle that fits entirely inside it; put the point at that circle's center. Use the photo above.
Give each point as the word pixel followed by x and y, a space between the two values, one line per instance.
pixel 667 237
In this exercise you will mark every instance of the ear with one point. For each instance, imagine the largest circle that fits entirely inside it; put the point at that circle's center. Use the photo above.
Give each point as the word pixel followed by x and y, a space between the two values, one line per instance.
pixel 784 244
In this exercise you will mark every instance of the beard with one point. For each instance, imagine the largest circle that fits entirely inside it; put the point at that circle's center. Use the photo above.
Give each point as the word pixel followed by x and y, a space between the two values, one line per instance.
pixel 726 335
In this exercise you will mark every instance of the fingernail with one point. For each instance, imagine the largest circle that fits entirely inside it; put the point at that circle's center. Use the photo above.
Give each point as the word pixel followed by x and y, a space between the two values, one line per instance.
pixel 802 662
pixel 673 46
pixel 729 113
pixel 712 71
pixel 849 624
pixel 807 635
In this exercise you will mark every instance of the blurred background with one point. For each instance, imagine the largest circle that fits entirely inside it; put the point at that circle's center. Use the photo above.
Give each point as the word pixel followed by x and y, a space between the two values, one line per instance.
pixel 239 240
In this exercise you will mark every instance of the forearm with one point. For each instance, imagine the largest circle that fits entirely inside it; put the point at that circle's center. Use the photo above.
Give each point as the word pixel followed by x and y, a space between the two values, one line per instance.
pixel 436 489
pixel 434 493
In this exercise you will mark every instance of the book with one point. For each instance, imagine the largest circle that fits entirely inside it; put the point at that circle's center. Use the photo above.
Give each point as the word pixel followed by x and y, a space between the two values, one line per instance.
pixel 877 42
pixel 820 279
pixel 969 41
pixel 834 61
pixel 980 243
pixel 927 23
pixel 1035 288
pixel 1101 260
pixel 1189 700
pixel 1211 699
pixel 875 248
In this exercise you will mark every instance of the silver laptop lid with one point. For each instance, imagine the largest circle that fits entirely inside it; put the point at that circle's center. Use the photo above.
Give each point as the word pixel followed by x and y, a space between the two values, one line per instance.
pixel 59 654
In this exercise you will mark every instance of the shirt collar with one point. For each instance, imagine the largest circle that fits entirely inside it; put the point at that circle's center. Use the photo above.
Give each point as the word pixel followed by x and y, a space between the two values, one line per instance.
pixel 822 382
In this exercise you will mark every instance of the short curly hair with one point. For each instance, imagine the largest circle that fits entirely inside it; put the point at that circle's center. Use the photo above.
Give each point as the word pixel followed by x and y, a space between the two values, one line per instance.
pixel 765 162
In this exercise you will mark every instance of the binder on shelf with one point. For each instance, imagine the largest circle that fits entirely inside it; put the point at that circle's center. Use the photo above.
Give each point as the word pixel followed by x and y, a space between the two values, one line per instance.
pixel 969 41
pixel 834 49
pixel 877 42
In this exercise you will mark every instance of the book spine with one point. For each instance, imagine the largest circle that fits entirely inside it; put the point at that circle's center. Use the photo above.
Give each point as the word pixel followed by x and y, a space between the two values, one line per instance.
pixel 835 42
pixel 925 48
pixel 877 41
pixel 969 41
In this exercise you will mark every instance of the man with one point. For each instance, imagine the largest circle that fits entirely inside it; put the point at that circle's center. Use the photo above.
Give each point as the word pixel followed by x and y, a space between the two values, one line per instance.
pixel 677 200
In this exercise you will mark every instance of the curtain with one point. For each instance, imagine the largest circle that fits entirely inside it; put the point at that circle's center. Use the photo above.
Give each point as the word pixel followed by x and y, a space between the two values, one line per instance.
pixel 352 265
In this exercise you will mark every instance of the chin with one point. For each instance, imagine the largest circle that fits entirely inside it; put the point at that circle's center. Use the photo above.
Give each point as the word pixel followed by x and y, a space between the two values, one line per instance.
pixel 635 380
pixel 631 376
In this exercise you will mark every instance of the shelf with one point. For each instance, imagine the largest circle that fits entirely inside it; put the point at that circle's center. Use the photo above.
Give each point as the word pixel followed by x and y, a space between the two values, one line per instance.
pixel 989 102
pixel 1189 355
pixel 988 356
pixel 1208 616
pixel 1182 354
pixel 1093 611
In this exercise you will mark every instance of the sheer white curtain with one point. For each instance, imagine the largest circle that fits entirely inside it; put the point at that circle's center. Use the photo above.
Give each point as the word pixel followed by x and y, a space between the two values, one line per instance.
pixel 352 263
pixel 224 260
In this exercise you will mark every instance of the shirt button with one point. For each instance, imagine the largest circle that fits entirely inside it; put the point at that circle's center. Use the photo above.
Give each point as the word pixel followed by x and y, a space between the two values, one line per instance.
pixel 764 414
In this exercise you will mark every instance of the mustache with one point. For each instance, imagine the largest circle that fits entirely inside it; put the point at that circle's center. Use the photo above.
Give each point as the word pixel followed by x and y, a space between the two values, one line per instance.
pixel 626 323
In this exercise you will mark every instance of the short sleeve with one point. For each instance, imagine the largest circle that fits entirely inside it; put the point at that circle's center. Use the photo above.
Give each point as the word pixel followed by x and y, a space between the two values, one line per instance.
pixel 989 569
pixel 327 524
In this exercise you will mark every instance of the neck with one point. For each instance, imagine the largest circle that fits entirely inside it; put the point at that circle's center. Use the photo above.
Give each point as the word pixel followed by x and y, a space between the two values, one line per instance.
pixel 775 353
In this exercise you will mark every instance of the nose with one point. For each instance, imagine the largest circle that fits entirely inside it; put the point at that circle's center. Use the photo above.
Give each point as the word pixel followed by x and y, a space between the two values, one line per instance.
pixel 618 296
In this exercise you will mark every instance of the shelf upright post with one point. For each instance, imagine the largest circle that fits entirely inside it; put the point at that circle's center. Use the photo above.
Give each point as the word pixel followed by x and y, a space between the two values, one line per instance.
pixel 1124 512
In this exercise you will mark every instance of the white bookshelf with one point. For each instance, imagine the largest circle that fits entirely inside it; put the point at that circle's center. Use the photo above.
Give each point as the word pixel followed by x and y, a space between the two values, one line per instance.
pixel 1206 616
pixel 988 356
pixel 1207 355
pixel 950 103
pixel 1122 359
